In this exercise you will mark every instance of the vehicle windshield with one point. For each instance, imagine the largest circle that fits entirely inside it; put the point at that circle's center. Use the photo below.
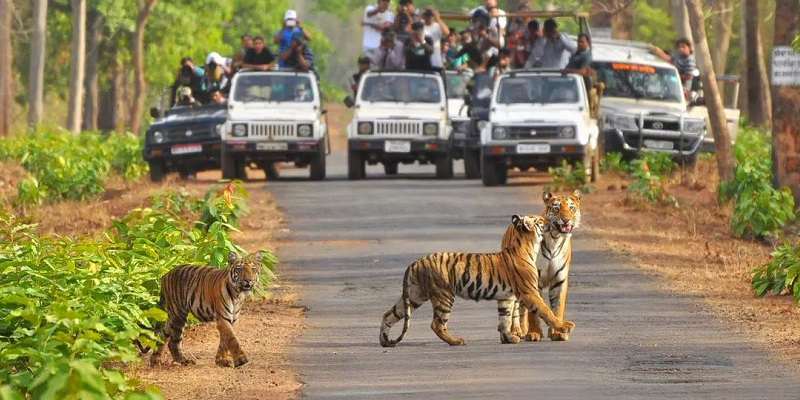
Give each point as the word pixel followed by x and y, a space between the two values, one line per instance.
pixel 540 89
pixel 401 89
pixel 457 85
pixel 273 88
pixel 639 81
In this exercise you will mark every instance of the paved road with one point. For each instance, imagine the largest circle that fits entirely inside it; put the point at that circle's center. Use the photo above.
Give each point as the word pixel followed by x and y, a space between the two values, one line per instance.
pixel 353 241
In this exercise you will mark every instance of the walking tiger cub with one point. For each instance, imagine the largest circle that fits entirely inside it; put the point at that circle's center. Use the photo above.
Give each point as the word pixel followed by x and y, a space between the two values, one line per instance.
pixel 505 276
pixel 210 294
pixel 563 215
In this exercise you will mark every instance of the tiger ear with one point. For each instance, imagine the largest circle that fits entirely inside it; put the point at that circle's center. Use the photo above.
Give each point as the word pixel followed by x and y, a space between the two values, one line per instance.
pixel 577 194
pixel 546 196
pixel 257 257
pixel 232 257
pixel 515 219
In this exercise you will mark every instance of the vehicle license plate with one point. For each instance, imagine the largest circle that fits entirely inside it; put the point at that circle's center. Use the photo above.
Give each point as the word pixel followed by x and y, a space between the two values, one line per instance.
pixel 523 148
pixel 397 146
pixel 272 146
pixel 659 144
pixel 187 148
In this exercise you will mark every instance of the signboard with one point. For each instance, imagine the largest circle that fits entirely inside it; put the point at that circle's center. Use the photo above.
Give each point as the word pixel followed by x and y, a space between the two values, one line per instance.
pixel 785 66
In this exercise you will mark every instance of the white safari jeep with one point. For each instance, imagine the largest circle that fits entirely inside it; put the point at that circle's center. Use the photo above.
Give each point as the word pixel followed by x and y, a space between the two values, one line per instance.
pixel 537 118
pixel 274 116
pixel 400 117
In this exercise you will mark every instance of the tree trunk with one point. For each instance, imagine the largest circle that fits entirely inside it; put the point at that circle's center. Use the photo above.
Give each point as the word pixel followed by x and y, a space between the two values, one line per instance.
pixel 680 17
pixel 758 92
pixel 786 106
pixel 36 84
pixel 6 79
pixel 143 9
pixel 716 110
pixel 77 62
pixel 613 18
pixel 93 40
pixel 723 30
pixel 120 84
pixel 743 87
pixel 622 22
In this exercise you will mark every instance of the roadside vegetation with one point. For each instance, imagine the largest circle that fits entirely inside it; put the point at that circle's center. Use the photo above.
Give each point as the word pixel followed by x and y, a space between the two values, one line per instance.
pixel 74 307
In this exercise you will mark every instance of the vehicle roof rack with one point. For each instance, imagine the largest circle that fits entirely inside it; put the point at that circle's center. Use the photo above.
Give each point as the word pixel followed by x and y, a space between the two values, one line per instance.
pixel 281 70
pixel 529 14
pixel 395 71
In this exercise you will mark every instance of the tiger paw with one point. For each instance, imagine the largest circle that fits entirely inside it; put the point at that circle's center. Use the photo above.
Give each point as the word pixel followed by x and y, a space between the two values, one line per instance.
pixel 241 360
pixel 185 361
pixel 458 342
pixel 558 336
pixel 223 362
pixel 533 336
pixel 154 360
pixel 564 327
pixel 509 338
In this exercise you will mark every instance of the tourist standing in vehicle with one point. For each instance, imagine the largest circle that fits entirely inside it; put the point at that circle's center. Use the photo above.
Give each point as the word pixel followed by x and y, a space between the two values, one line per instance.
pixel 259 57
pixel 503 63
pixel 363 67
pixel 391 54
pixel 498 20
pixel 419 49
pixel 436 29
pixel 217 98
pixel 238 58
pixel 682 58
pixel 406 15
pixel 452 60
pixel 377 17
pixel 581 61
pixel 298 55
pixel 189 76
pixel 553 50
pixel 284 36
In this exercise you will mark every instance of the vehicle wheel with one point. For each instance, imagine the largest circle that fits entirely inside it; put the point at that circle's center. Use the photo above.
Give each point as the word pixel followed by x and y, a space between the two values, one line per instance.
pixel 472 164
pixel 356 168
pixel 271 171
pixel 444 166
pixel 157 171
pixel 491 172
pixel 611 143
pixel 317 165
pixel 503 173
pixel 228 166
pixel 390 167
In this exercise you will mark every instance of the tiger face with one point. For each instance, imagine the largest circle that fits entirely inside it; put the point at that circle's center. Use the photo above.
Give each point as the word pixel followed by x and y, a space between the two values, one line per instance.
pixel 244 271
pixel 530 224
pixel 563 213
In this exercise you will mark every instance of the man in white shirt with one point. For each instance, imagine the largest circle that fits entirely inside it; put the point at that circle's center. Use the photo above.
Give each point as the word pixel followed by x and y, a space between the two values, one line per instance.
pixel 552 50
pixel 377 17
pixel 436 29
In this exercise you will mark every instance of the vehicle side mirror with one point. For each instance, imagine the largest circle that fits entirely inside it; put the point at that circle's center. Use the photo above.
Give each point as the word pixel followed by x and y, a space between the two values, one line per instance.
pixel 349 102
pixel 156 113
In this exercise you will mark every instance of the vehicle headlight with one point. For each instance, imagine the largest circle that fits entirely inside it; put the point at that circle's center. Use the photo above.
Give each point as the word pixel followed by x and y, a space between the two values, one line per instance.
pixel 482 124
pixel 694 126
pixel 218 129
pixel 499 133
pixel 566 132
pixel 158 136
pixel 430 129
pixel 365 128
pixel 304 130
pixel 239 130
pixel 622 122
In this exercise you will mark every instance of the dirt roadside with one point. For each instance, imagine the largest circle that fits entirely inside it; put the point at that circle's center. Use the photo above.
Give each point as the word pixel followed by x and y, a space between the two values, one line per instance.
pixel 692 249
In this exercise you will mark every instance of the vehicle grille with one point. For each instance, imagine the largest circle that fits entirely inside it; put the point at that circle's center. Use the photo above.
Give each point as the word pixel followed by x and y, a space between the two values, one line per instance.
pixel 684 144
pixel 533 132
pixel 180 134
pixel 398 128
pixel 286 130
pixel 461 126
pixel 665 125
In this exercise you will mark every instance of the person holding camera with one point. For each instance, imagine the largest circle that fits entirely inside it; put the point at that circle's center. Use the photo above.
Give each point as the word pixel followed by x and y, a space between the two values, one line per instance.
pixel 189 76
pixel 377 17
pixel 298 55
pixel 437 30
pixel 406 14
pixel 291 26
pixel 391 55
pixel 553 50
pixel 419 49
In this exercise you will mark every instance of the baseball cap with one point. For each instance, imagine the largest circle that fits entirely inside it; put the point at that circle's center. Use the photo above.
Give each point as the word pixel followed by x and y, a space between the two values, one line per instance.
pixel 290 14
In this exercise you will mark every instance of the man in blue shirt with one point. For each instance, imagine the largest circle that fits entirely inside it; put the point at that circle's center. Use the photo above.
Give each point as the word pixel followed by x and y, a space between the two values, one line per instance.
pixel 298 55
pixel 291 26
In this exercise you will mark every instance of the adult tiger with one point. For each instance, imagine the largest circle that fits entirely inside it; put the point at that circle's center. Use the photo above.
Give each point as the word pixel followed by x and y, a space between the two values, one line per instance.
pixel 503 276
pixel 563 215
pixel 210 294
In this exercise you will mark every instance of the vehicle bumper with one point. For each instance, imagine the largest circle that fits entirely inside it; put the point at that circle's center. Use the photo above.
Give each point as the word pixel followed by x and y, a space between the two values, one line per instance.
pixel 210 152
pixel 378 146
pixel 266 147
pixel 635 141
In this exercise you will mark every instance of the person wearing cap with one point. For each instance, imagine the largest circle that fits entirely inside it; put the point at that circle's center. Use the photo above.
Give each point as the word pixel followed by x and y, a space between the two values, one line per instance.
pixel 390 56
pixel 185 98
pixel 363 66
pixel 377 17
pixel 298 55
pixel 419 49
pixel 437 30
pixel 499 20
pixel 406 14
pixel 218 71
pixel 291 26
pixel 259 57
pixel 189 76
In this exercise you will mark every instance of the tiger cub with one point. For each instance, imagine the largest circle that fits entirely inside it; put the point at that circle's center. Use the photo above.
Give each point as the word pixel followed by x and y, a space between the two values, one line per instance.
pixel 502 276
pixel 563 215
pixel 210 294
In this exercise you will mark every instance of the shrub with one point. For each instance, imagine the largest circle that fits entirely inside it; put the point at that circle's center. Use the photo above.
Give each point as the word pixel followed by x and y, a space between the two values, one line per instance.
pixel 73 307
pixel 647 186
pixel 613 162
pixel 760 209
pixel 569 177
pixel 780 273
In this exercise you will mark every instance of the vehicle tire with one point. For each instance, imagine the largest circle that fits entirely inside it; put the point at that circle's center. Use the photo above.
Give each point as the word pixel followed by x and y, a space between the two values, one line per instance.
pixel 356 167
pixel 317 165
pixel 228 163
pixel 390 167
pixel 472 164
pixel 271 171
pixel 610 143
pixel 490 172
pixel 444 166
pixel 157 171
pixel 503 173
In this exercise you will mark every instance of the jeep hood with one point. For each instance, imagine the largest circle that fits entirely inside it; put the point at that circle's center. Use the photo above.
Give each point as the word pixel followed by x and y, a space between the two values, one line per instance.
pixel 634 107
pixel 401 111
pixel 536 114
pixel 456 108
pixel 272 111
pixel 191 117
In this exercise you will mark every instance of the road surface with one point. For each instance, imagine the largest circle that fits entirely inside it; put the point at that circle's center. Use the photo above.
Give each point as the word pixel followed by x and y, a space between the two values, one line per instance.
pixel 349 243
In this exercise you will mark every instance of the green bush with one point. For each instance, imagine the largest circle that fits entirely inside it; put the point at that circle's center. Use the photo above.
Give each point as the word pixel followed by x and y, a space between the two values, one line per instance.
pixel 72 307
pixel 780 273
pixel 648 184
pixel 569 177
pixel 71 167
pixel 613 162
pixel 760 209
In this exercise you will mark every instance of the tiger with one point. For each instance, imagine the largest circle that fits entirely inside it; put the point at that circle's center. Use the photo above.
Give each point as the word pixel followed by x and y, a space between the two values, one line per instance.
pixel 210 294
pixel 504 276
pixel 563 214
